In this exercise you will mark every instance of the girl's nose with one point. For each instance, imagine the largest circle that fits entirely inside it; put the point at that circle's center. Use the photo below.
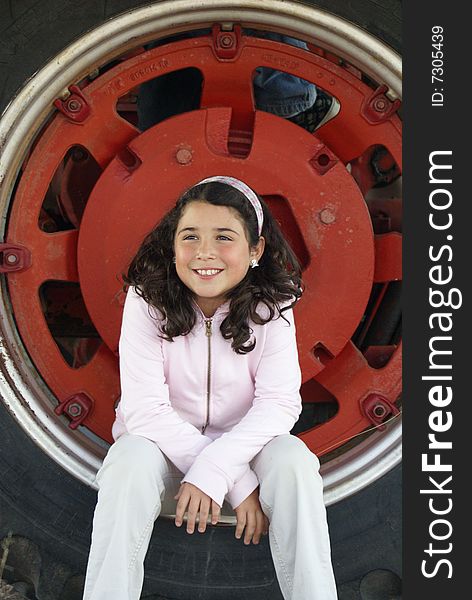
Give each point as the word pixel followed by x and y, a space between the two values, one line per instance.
pixel 205 251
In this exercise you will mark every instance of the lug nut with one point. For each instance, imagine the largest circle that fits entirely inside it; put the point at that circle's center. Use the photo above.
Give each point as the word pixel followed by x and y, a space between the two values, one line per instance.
pixel 74 105
pixel 226 41
pixel 380 410
pixel 380 104
pixel 74 409
pixel 12 259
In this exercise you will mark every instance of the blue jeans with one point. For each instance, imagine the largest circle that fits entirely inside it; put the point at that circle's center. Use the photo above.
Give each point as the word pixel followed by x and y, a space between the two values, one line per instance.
pixel 280 93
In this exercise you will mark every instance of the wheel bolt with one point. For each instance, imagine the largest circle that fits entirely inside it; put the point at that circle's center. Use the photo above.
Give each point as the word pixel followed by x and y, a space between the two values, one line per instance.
pixel 184 156
pixel 74 105
pixel 379 410
pixel 380 104
pixel 226 41
pixel 327 216
pixel 12 259
pixel 74 409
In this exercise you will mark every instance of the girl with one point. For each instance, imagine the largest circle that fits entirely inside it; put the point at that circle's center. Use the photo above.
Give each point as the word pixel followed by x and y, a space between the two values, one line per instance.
pixel 209 392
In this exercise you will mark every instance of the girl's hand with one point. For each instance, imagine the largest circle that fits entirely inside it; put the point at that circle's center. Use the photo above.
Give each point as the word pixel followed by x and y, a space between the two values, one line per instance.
pixel 197 502
pixel 250 516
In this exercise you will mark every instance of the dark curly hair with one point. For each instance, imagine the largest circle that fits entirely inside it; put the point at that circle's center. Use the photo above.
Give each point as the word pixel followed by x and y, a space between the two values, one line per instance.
pixel 276 282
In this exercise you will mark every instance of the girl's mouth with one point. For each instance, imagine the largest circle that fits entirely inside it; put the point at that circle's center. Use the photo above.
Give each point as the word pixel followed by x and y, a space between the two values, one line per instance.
pixel 207 273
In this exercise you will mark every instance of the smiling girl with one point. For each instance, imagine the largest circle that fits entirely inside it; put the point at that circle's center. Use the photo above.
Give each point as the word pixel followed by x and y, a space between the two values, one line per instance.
pixel 209 393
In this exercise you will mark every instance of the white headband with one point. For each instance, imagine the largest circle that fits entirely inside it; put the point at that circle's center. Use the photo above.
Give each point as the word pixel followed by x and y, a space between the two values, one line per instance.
pixel 244 189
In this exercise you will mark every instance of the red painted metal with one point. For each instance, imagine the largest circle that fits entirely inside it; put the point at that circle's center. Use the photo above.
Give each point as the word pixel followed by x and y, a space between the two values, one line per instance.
pixel 324 160
pixel 14 258
pixel 77 408
pixel 378 356
pixel 349 378
pixel 378 108
pixel 386 214
pixel 378 409
pixel 226 44
pixel 322 209
pixel 388 257
pixel 75 107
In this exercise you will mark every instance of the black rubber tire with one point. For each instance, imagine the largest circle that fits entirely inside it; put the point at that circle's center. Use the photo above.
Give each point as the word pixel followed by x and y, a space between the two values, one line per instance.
pixel 42 503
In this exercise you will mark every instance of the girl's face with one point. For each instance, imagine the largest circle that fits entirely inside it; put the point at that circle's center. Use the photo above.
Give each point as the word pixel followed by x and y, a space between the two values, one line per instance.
pixel 212 253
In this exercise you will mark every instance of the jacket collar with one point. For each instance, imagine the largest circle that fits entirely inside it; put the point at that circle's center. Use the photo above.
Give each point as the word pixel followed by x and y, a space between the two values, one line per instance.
pixel 219 314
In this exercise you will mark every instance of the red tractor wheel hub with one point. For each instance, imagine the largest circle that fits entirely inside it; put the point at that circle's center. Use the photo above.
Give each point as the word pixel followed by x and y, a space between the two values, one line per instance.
pixel 316 186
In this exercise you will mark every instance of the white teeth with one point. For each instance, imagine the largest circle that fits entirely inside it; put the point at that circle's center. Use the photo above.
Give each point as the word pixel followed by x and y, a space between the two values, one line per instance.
pixel 208 271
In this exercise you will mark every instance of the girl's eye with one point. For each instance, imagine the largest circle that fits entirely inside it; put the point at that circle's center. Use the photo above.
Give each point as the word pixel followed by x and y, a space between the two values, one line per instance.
pixel 192 236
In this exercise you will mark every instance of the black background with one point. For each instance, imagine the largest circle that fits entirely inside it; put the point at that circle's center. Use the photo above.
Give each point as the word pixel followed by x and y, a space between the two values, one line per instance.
pixel 427 129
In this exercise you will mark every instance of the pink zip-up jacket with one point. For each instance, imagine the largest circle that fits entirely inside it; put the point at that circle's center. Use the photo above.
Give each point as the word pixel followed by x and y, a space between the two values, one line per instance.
pixel 208 409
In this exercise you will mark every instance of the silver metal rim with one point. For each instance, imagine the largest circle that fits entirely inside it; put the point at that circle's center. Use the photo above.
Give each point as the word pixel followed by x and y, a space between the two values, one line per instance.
pixel 24 393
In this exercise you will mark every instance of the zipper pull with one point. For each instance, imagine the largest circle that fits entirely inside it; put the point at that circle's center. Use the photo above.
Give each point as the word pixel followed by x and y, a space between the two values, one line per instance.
pixel 208 327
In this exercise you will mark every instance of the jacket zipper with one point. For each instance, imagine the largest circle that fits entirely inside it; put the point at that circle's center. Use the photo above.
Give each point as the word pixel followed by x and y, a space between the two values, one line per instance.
pixel 208 334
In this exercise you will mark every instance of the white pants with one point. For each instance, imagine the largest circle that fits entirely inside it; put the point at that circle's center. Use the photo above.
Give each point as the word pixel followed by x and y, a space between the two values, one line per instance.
pixel 136 481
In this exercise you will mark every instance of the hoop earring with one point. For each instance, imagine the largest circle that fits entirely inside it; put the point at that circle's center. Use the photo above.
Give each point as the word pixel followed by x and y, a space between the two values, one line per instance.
pixel 173 260
pixel 254 263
